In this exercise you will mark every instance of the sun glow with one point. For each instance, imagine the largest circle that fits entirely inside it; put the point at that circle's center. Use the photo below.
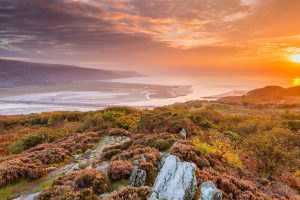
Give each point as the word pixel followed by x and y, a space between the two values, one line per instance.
pixel 296 81
pixel 295 58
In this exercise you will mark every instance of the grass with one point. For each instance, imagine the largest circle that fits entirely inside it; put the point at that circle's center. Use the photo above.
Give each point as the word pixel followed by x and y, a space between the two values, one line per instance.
pixel 119 184
pixel 45 185
pixel 9 190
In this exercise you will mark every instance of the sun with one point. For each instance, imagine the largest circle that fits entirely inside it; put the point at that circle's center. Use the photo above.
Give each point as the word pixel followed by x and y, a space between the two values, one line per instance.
pixel 295 58
pixel 296 81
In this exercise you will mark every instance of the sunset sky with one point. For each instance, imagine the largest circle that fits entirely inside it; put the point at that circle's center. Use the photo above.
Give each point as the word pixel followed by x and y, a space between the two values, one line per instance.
pixel 208 37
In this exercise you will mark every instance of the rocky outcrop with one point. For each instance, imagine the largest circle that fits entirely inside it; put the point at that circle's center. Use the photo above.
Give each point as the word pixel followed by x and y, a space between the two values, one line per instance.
pixel 209 191
pixel 138 177
pixel 176 180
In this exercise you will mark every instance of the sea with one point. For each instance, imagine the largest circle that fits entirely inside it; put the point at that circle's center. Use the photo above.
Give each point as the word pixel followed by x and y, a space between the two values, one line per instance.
pixel 68 100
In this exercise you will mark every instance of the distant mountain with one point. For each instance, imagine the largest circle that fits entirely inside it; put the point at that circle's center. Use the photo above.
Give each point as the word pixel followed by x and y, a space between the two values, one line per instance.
pixel 269 94
pixel 17 73
pixel 227 94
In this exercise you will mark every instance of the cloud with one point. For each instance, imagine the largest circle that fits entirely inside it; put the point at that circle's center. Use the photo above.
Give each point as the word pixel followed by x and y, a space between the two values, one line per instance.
pixel 146 33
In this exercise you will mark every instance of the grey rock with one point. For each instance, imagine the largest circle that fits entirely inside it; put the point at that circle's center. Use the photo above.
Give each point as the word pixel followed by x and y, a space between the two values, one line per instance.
pixel 175 181
pixel 103 167
pixel 87 153
pixel 162 160
pixel 182 133
pixel 51 169
pixel 209 191
pixel 137 162
pixel 29 196
pixel 138 177
pixel 75 167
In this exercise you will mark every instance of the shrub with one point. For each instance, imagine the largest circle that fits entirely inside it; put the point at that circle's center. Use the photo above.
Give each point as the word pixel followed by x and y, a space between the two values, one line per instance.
pixel 221 148
pixel 94 123
pixel 203 147
pixel 189 153
pixel 119 169
pixel 129 193
pixel 207 114
pixel 232 135
pixel 15 169
pixel 43 135
pixel 82 184
pixel 225 150
pixel 31 163
pixel 294 125
pixel 162 141
pixel 166 121
pixel 232 187
pixel 56 118
pixel 122 119
pixel 276 149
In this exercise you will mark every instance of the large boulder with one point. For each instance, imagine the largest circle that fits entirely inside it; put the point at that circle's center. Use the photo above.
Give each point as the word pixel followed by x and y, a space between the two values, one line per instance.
pixel 209 191
pixel 175 181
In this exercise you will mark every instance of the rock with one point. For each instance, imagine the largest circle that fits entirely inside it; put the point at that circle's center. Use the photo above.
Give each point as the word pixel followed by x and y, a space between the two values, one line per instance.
pixel 175 181
pixel 103 167
pixel 77 157
pixel 51 169
pixel 209 191
pixel 75 167
pixel 162 160
pixel 28 197
pixel 182 133
pixel 82 165
pixel 138 177
pixel 87 153
pixel 137 162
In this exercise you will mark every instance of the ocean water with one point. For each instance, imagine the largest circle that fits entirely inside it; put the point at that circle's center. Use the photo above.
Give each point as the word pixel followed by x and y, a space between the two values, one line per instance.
pixel 93 100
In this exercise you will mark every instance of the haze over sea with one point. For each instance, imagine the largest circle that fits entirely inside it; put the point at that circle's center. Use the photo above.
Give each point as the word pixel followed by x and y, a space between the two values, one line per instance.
pixel 85 100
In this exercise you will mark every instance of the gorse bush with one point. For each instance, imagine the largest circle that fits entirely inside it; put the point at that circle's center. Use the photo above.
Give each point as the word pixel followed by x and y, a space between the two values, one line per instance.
pixel 277 150
pixel 121 120
pixel 159 121
pixel 44 135
pixel 293 125
pixel 222 148
pixel 94 123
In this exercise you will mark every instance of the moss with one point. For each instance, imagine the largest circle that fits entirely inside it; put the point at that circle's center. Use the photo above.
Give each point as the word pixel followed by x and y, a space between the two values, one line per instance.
pixel 44 185
pixel 10 190
pixel 117 185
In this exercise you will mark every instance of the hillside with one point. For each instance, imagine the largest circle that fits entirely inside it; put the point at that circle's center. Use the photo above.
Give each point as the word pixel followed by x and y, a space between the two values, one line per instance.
pixel 268 94
pixel 17 73
pixel 194 151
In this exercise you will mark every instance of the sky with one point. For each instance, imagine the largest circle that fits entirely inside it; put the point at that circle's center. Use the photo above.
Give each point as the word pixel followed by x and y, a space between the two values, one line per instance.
pixel 191 37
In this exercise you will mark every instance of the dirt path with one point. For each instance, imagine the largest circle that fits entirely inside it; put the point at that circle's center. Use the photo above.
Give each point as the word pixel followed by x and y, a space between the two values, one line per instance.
pixel 32 189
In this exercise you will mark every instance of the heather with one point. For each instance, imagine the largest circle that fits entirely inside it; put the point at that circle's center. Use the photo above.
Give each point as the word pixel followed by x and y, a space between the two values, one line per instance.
pixel 247 151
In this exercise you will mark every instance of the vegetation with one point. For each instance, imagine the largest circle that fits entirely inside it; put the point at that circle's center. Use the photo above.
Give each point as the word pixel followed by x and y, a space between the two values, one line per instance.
pixel 119 169
pixel 245 150
pixel 83 184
